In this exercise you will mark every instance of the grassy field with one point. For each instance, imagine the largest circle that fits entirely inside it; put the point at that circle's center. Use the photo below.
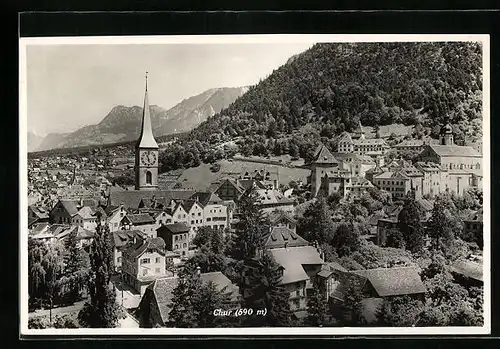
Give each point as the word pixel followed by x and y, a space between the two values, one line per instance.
pixel 199 178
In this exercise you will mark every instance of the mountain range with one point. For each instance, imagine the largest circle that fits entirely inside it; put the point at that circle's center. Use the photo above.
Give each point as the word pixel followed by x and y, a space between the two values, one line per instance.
pixel 123 123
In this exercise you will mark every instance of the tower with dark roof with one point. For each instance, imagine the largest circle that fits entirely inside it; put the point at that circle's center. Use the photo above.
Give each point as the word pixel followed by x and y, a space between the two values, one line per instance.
pixel 447 135
pixel 146 152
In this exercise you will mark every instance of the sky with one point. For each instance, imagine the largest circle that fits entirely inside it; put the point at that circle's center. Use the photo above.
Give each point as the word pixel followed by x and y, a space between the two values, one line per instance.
pixel 70 86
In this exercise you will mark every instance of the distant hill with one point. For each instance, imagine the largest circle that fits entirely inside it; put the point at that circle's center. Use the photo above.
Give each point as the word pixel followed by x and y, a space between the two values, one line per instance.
pixel 52 140
pixel 34 141
pixel 123 123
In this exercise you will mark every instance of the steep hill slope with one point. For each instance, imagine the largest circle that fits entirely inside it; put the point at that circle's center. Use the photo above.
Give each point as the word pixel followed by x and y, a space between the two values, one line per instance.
pixel 327 89
pixel 34 141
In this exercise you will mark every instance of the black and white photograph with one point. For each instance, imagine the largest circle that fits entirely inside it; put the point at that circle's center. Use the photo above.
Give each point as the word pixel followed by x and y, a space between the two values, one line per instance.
pixel 255 184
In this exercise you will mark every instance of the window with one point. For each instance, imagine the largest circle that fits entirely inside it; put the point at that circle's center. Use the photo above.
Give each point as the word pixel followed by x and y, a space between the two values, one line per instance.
pixel 157 260
pixel 199 213
pixel 209 219
pixel 176 238
pixel 144 260
pixel 176 247
pixel 184 245
pixel 144 272
pixel 192 221
pixel 192 214
pixel 297 293
pixel 119 259
pixel 149 177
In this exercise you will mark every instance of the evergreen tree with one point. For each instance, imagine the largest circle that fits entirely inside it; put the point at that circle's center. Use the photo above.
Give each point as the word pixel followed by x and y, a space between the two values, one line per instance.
pixel 316 223
pixel 400 311
pixel 183 313
pixel 76 269
pixel 317 307
pixel 440 224
pixel 352 306
pixel 261 289
pixel 252 228
pixel 346 239
pixel 102 311
pixel 410 225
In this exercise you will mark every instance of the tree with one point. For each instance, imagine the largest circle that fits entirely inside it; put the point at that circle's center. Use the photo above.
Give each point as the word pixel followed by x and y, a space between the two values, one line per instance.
pixel 352 307
pixel 183 313
pixel 207 260
pixel 346 239
pixel 410 225
pixel 316 224
pixel 252 227
pixel 440 226
pixel 400 311
pixel 46 265
pixel 395 238
pixel 317 307
pixel 76 269
pixel 261 289
pixel 194 302
pixel 102 311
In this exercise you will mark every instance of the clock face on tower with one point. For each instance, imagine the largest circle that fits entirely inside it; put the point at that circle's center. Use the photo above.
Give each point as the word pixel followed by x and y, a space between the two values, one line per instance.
pixel 148 158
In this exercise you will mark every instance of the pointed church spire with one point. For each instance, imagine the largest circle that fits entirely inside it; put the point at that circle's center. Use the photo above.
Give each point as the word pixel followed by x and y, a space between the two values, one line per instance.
pixel 146 140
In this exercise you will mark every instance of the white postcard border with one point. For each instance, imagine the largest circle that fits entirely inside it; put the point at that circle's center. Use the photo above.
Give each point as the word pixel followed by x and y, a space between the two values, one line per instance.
pixel 252 39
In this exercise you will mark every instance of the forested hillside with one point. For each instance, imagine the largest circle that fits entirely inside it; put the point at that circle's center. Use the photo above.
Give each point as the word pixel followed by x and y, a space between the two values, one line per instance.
pixel 330 87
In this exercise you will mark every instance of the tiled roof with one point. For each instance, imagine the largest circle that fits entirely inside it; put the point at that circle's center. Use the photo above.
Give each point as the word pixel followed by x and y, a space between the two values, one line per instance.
pixel 324 156
pixel 410 143
pixel 123 237
pixel 361 182
pixel 276 216
pixel 38 227
pixel 329 268
pixel 424 204
pixel 392 175
pixel 292 260
pixel 137 249
pixel 268 196
pixel 163 290
pixel 140 218
pixel 281 237
pixel 469 269
pixel 345 137
pixel 132 198
pixel 427 166
pixel 394 281
pixel 175 228
pixel 371 141
pixel 86 212
pixel 454 150
pixel 207 198
pixel 70 206
pixel 40 212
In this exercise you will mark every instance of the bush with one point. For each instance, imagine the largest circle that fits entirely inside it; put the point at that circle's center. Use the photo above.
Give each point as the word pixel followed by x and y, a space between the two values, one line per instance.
pixel 39 322
pixel 66 321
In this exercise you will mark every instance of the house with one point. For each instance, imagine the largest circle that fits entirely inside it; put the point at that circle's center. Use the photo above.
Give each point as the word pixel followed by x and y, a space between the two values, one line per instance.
pixel 64 210
pixel 141 221
pixel 282 237
pixel 115 217
pixel 358 186
pixel 433 176
pixel 194 211
pixel 270 200
pixel 216 213
pixel 156 302
pixel 359 144
pixel 38 214
pixel 299 264
pixel 373 284
pixel 282 219
pixel 409 145
pixel 468 272
pixel 268 177
pixel 228 189
pixel 396 182
pixel 85 218
pixel 133 198
pixel 144 262
pixel 84 236
pixel 121 239
pixel 176 237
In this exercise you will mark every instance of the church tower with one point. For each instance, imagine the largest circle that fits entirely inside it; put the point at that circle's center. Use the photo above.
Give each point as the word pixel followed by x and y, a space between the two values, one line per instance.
pixel 146 152
pixel 447 135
